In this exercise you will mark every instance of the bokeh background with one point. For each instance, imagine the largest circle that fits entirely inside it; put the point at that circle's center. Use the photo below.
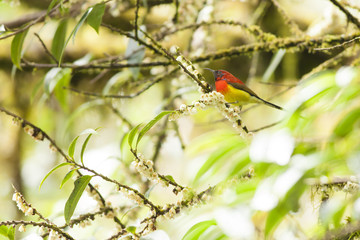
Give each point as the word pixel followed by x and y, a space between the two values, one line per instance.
pixel 298 168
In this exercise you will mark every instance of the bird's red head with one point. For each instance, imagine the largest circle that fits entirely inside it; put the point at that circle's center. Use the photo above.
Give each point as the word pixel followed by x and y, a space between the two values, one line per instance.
pixel 222 75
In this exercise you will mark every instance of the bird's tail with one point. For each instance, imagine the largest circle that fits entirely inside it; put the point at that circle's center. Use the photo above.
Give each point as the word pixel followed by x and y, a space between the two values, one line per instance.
pixel 272 105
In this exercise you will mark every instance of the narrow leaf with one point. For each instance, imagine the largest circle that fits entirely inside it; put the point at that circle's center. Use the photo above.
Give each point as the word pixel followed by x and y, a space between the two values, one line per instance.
pixel 95 17
pixel 68 176
pixel 58 43
pixel 85 144
pixel 123 144
pixel 221 153
pixel 52 170
pixel 52 4
pixel 148 126
pixel 132 135
pixel 74 31
pixel 72 146
pixel 79 187
pixel 346 124
pixel 16 47
pixel 195 231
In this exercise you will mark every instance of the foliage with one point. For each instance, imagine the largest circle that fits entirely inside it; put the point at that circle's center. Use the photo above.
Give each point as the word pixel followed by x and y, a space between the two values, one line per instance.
pixel 164 148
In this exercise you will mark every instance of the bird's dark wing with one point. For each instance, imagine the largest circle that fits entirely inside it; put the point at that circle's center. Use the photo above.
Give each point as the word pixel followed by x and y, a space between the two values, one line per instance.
pixel 243 87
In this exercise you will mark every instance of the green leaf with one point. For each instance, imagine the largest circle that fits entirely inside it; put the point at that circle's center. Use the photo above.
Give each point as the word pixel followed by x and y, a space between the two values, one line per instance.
pixel 79 187
pixel 16 47
pixel 68 176
pixel 95 17
pixel 58 43
pixel 123 142
pixel 91 131
pixel 74 31
pixel 71 149
pixel 131 229
pixel 60 93
pixel 52 170
pixel 52 4
pixel 289 203
pixel 347 123
pixel 169 177
pixel 8 232
pixel 195 231
pixel 56 77
pixel 81 111
pixel 132 135
pixel 148 126
pixel 218 155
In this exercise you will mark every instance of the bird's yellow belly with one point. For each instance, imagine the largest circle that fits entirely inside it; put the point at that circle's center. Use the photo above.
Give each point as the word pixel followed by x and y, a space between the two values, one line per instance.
pixel 237 97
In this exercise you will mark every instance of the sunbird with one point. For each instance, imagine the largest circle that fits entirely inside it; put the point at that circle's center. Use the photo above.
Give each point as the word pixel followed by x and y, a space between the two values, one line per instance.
pixel 235 91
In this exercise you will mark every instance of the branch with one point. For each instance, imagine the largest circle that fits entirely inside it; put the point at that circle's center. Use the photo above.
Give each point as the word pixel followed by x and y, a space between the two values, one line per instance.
pixel 293 26
pixel 294 44
pixel 39 134
pixel 33 22
pixel 46 50
pixel 38 224
pixel 351 17
pixel 98 95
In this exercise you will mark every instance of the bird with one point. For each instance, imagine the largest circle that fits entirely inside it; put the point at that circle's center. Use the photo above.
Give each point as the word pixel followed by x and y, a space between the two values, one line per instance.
pixel 235 91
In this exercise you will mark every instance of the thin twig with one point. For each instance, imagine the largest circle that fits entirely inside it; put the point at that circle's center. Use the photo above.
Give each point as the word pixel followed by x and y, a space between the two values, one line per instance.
pixel 98 95
pixel 264 127
pixel 46 49
pixel 293 26
pixel 137 19
pixel 351 17
pixel 38 224
pixel 33 22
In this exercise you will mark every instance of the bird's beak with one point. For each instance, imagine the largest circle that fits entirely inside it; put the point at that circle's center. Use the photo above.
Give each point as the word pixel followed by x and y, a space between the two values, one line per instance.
pixel 213 71
pixel 210 70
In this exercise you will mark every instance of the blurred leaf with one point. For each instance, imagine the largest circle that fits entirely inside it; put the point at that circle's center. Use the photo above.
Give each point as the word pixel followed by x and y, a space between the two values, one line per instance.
pixel 79 187
pixel 52 170
pixel 51 5
pixel 60 92
pixel 91 132
pixel 242 162
pixel 195 231
pixel 16 48
pixel 95 17
pixel 135 52
pixel 214 139
pixel 147 193
pixel 71 149
pixel 68 176
pixel 223 152
pixel 132 134
pixel 148 126
pixel 115 80
pixel 347 123
pixel 74 31
pixel 8 232
pixel 289 203
pixel 169 177
pixel 123 142
pixel 57 78
pixel 80 111
pixel 275 61
pixel 58 43
pixel 131 229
